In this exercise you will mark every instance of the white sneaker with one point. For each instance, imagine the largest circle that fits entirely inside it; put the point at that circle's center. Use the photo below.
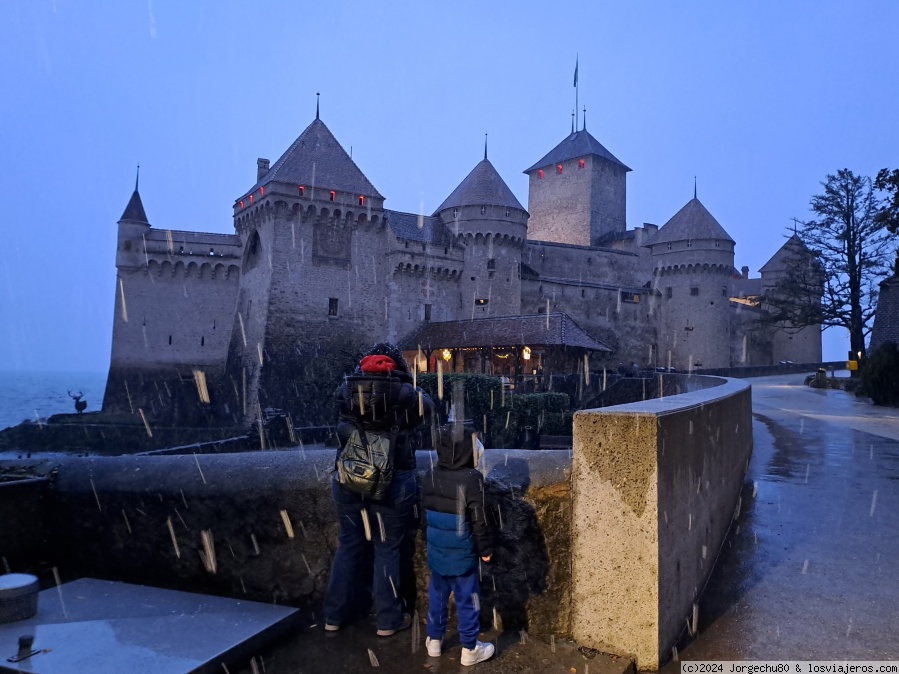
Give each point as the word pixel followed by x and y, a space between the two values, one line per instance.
pixel 434 646
pixel 480 652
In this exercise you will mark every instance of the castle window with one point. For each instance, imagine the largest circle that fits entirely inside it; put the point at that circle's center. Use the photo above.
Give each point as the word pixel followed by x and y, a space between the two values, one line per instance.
pixel 332 306
pixel 181 250
pixel 362 200
pixel 241 203
pixel 127 245
pixel 481 301
pixel 212 252
pixel 508 211
pixel 261 191
pixel 170 340
pixel 333 195
pixel 630 298
pixel 583 293
pixel 580 163
pixel 251 198
pixel 491 263
pixel 669 292
pixel 717 244
pixel 455 212
pixel 669 246
pixel 301 190
pixel 559 169
pixel 540 174
pixel 202 341
pixel 427 313
pixel 723 291
pixel 694 291
pixel 690 243
pixel 483 210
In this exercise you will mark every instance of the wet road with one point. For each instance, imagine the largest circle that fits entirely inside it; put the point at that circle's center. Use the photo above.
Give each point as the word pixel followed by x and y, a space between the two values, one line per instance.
pixel 810 570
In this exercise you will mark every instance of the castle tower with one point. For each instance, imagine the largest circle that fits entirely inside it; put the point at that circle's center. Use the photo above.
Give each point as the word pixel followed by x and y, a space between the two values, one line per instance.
pixel 693 260
pixel 312 228
pixel 577 193
pixel 484 215
pixel 800 345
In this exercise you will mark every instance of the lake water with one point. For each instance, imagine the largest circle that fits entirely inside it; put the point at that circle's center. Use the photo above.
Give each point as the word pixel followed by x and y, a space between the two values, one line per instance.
pixel 38 395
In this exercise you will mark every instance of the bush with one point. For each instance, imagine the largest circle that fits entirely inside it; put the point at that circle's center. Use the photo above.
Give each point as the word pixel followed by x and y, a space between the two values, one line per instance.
pixel 499 415
pixel 880 375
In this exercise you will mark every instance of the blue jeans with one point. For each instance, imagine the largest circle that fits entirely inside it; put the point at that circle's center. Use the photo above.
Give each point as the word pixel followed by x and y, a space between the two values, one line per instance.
pixel 465 588
pixel 391 521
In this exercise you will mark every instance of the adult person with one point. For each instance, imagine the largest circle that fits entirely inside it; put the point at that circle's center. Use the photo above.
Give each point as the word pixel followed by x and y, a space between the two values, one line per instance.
pixel 378 397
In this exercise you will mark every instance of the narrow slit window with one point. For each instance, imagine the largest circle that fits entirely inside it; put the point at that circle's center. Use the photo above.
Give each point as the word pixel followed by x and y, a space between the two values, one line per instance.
pixel 581 163
pixel 540 174
pixel 362 200
pixel 332 306
pixel 559 169
pixel 302 190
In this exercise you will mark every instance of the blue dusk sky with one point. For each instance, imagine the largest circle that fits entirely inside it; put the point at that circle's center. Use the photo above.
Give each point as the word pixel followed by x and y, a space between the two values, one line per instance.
pixel 760 100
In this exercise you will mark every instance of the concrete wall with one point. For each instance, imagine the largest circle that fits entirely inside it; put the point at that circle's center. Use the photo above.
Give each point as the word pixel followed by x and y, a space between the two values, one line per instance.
pixel 654 487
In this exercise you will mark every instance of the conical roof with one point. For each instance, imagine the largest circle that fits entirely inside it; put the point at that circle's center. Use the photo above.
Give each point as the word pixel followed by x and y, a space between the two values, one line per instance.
pixel 578 144
pixel 693 221
pixel 785 255
pixel 317 159
pixel 134 211
pixel 482 187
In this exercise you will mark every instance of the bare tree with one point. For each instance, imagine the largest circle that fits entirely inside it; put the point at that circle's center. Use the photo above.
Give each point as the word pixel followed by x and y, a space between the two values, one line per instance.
pixel 844 253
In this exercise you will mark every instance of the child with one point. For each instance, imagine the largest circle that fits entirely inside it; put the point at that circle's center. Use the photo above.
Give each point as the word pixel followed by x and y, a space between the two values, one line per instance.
pixel 458 533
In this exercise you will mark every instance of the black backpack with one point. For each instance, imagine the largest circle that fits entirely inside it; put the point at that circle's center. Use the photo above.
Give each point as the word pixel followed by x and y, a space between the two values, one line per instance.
pixel 365 463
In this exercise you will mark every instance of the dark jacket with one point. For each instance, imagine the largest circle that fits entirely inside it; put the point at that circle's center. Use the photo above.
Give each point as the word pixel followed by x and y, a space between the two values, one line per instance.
pixel 454 503
pixel 389 402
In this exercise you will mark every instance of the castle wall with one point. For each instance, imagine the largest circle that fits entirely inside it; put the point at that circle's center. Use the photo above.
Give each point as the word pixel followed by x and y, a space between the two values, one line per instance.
pixel 750 343
pixel 695 328
pixel 579 205
pixel 419 275
pixel 595 265
pixel 320 286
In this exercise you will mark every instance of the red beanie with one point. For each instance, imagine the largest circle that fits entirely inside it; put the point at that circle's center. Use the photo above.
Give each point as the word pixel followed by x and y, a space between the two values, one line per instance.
pixel 377 364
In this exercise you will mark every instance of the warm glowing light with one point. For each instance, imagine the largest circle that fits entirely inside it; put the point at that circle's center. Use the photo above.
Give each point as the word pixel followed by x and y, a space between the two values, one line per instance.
pixel 580 163
pixel 540 174
pixel 333 194
pixel 241 203
pixel 526 353
pixel 301 189
pixel 261 191
pixel 251 198
pixel 446 354
pixel 559 169
pixel 362 200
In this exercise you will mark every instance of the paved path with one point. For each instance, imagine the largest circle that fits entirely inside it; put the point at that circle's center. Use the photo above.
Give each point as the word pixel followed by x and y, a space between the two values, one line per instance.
pixel 811 568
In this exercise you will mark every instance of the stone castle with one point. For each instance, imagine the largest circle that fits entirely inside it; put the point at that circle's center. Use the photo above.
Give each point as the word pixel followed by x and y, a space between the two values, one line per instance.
pixel 316 254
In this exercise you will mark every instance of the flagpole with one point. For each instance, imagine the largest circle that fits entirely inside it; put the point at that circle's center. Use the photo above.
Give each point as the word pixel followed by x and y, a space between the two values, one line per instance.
pixel 576 92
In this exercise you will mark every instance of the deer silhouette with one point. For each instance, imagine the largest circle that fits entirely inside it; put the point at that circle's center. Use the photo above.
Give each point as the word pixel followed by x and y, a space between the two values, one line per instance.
pixel 80 405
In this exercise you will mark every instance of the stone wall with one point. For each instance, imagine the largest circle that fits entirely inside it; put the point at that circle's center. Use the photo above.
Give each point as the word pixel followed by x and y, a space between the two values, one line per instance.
pixel 273 530
pixel 654 487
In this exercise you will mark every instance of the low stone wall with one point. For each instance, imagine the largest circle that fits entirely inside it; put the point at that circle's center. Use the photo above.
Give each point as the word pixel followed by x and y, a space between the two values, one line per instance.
pixel 654 487
pixel 22 521
pixel 143 519
pixel 772 370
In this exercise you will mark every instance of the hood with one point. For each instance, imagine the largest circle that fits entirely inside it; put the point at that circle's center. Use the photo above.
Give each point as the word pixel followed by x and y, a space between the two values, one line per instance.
pixel 455 446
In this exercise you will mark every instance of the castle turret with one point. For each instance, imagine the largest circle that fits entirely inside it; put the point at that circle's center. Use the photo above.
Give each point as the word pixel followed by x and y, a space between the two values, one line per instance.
pixel 310 219
pixel 789 342
pixel 577 193
pixel 133 226
pixel 484 215
pixel 693 260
